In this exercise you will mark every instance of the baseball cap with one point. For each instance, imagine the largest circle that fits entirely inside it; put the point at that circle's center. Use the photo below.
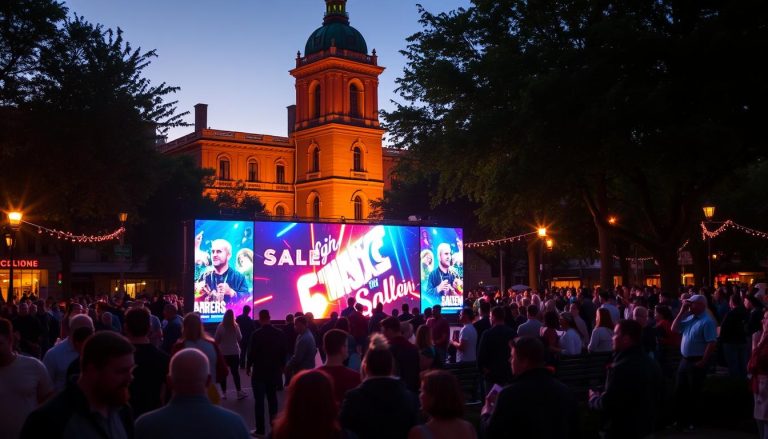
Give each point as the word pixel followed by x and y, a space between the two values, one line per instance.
pixel 697 298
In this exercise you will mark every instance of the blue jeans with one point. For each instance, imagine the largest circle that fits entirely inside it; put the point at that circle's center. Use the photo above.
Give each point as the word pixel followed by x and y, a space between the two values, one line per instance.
pixel 736 357
pixel 261 389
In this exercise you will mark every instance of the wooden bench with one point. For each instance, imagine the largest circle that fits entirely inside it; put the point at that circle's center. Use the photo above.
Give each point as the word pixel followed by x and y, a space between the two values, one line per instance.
pixel 583 372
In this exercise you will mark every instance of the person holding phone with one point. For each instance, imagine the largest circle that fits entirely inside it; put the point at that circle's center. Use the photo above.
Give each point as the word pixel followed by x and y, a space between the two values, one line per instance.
pixel 698 344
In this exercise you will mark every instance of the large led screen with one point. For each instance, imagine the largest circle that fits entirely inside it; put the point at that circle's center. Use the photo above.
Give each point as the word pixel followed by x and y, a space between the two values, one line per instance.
pixel 223 267
pixel 442 267
pixel 315 267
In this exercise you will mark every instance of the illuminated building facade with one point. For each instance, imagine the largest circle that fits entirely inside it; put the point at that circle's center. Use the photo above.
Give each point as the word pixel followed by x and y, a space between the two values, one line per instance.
pixel 332 163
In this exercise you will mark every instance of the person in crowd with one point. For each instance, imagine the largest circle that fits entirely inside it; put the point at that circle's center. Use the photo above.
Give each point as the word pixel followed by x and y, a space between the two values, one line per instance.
pixel 484 322
pixel 699 341
pixel 24 384
pixel 441 331
pixel 336 345
pixel 633 387
pixel 73 309
pixel 427 354
pixel 648 342
pixel 46 322
pixel 228 337
pixel 374 324
pixel 733 338
pixel 346 312
pixel 289 337
pixel 549 333
pixel 381 396
pixel 665 335
pixel 418 318
pixel 58 359
pixel 758 370
pixel 494 351
pixel 581 326
pixel 77 338
pixel 755 309
pixel 406 355
pixel 535 405
pixel 151 369
pixel 602 335
pixel 588 311
pixel 267 353
pixel 190 413
pixel 247 325
pixel 570 341
pixel 353 358
pixel 99 398
pixel 193 335
pixel 172 327
pixel 442 400
pixel 358 327
pixel 29 330
pixel 406 315
pixel 305 349
pixel 466 345
pixel 532 326
pixel 608 301
pixel 310 409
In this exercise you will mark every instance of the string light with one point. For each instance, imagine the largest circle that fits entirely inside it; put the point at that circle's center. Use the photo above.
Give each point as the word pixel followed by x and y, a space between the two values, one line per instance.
pixel 69 236
pixel 499 241
pixel 707 234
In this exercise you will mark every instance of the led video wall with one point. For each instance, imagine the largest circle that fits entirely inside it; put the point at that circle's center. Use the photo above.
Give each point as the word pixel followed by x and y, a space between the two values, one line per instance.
pixel 315 267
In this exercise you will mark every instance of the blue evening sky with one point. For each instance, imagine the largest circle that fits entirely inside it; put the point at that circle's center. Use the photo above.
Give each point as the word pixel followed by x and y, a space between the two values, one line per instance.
pixel 235 55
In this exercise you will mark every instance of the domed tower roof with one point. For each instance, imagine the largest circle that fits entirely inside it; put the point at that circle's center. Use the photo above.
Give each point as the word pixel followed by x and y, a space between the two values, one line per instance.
pixel 335 31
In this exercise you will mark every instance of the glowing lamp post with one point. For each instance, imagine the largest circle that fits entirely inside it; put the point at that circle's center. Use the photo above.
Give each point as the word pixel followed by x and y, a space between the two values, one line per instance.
pixel 14 220
pixel 709 213
pixel 542 232
pixel 123 216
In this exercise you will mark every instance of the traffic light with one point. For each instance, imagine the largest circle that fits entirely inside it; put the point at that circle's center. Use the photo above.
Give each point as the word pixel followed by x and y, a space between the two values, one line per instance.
pixel 58 278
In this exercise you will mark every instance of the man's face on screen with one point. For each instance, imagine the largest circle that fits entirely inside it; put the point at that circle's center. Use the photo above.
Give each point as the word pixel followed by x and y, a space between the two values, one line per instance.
pixel 219 255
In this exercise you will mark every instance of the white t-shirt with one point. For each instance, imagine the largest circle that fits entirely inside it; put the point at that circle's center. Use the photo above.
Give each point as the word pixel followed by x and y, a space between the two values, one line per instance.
pixel 23 383
pixel 601 340
pixel 570 342
pixel 57 360
pixel 469 334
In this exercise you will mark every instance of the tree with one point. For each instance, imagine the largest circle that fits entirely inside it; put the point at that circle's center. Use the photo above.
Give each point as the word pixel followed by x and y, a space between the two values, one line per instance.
pixel 82 144
pixel 633 108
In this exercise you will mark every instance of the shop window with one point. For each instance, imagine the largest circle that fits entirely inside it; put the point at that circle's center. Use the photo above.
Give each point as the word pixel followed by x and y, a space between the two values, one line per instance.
pixel 224 169
pixel 280 174
pixel 253 170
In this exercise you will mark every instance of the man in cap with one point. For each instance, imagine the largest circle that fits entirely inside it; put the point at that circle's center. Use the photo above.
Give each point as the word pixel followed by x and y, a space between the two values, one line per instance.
pixel 699 340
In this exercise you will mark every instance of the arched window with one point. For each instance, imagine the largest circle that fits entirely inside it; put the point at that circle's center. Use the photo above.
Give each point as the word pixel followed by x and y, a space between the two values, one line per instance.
pixel 316 102
pixel 279 211
pixel 358 203
pixel 315 165
pixel 224 169
pixel 316 208
pixel 357 159
pixel 354 100
pixel 280 174
pixel 253 170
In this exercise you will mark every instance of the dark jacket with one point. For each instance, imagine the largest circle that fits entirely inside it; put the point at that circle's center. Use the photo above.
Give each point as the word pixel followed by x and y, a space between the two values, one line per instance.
pixel 385 399
pixel 633 392
pixel 481 325
pixel 493 354
pixel 68 415
pixel 733 328
pixel 266 354
pixel 406 362
pixel 535 405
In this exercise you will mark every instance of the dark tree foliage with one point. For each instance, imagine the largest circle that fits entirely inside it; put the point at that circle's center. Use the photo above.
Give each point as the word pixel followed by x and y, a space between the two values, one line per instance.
pixel 636 109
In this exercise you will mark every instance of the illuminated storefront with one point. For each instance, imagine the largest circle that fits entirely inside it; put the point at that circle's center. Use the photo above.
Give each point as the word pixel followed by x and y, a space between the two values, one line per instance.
pixel 28 278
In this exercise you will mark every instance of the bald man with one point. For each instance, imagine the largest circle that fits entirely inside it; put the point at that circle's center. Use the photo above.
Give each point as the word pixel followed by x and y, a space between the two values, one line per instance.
pixel 190 413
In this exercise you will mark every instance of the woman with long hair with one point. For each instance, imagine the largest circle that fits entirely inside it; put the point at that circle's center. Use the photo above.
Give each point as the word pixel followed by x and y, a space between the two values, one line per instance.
pixel 427 354
pixel 310 409
pixel 549 332
pixel 602 336
pixel 442 400
pixel 193 336
pixel 228 337
pixel 758 369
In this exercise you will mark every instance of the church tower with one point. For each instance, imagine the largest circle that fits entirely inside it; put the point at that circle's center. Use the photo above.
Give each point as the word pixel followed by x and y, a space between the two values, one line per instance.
pixel 336 129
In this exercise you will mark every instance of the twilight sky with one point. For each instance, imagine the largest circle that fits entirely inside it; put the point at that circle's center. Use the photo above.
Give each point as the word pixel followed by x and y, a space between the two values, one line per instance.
pixel 235 55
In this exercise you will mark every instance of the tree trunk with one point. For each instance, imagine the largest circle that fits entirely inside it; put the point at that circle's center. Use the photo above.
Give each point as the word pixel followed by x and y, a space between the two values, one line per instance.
pixel 622 251
pixel 533 263
pixel 606 257
pixel 669 271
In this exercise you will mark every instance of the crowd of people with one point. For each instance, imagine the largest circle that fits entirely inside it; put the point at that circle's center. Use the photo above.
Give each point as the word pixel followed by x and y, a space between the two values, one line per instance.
pixel 107 367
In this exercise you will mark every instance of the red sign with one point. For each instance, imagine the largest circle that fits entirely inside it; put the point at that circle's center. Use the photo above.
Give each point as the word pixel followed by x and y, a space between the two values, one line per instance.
pixel 20 263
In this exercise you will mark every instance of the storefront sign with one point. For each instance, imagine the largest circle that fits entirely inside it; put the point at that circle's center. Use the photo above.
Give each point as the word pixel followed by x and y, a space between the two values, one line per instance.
pixel 20 263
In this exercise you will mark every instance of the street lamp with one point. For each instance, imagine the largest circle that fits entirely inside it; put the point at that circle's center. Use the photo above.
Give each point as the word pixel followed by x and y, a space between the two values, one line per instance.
pixel 123 216
pixel 542 232
pixel 709 213
pixel 14 220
